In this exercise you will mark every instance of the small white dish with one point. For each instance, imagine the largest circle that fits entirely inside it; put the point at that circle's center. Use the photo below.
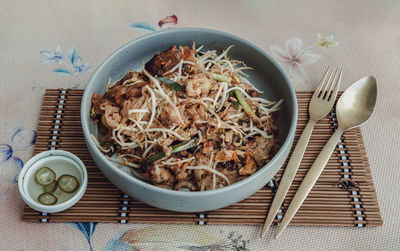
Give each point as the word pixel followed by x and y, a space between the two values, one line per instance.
pixel 61 162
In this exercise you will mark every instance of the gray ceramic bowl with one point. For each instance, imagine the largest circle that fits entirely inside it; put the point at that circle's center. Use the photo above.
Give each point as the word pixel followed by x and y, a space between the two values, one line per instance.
pixel 266 75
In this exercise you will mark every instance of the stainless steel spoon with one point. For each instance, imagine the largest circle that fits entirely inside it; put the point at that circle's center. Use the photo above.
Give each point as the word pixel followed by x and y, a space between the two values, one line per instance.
pixel 354 107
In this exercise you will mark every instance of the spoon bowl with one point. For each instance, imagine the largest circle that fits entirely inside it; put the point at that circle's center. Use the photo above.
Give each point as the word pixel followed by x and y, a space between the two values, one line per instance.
pixel 357 103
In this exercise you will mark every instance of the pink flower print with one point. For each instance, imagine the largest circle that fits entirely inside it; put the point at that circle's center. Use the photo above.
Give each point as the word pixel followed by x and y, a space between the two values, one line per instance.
pixel 293 58
pixel 168 21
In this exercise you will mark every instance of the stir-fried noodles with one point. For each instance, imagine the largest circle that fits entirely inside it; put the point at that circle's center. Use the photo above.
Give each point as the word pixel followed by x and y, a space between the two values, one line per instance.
pixel 190 119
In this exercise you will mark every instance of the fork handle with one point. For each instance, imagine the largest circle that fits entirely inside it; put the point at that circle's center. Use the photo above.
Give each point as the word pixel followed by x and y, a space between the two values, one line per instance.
pixel 310 179
pixel 289 174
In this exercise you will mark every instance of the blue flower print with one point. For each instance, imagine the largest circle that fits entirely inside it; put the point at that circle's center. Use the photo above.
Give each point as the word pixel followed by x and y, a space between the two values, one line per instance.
pixel 72 63
pixel 143 25
pixel 115 243
pixel 17 164
pixel 20 140
pixel 23 138
pixel 9 171
pixel 5 152
pixel 79 67
pixel 50 57
pixel 87 229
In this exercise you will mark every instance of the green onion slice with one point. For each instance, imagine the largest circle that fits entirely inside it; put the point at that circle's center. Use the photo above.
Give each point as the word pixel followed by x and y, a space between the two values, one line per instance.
pixel 174 85
pixel 175 148
pixel 45 176
pixel 221 78
pixel 155 157
pixel 47 199
pixel 68 183
pixel 184 146
pixel 243 103
pixel 235 103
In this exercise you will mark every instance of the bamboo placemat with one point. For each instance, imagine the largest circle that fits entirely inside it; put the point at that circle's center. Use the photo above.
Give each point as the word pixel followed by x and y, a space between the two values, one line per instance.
pixel 343 196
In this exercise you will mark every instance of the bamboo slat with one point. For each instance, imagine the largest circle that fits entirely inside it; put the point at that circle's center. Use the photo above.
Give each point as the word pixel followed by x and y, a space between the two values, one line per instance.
pixel 328 204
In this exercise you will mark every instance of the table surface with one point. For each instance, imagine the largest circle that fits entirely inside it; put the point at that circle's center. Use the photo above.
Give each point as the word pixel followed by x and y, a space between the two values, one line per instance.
pixel 38 38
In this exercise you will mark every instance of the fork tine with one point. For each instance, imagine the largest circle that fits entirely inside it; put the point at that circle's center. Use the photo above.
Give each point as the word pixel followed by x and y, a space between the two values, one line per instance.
pixel 324 93
pixel 331 83
pixel 322 82
pixel 336 84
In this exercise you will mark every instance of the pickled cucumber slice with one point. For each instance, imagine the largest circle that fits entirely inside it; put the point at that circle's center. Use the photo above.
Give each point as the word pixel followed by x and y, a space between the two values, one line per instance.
pixel 47 199
pixel 45 176
pixel 68 183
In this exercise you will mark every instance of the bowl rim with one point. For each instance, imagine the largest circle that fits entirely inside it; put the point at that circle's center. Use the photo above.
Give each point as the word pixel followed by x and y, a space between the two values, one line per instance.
pixel 85 124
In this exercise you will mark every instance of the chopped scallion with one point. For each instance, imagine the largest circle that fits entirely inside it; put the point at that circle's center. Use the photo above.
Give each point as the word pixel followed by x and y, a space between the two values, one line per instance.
pixel 175 148
pixel 221 78
pixel 184 146
pixel 235 103
pixel 155 157
pixel 243 103
pixel 174 85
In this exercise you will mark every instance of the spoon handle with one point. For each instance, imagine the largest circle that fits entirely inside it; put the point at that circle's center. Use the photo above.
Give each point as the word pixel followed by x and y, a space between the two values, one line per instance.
pixel 309 181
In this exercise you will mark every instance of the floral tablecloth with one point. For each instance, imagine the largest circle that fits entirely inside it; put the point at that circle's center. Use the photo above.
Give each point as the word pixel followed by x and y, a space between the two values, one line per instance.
pixel 53 44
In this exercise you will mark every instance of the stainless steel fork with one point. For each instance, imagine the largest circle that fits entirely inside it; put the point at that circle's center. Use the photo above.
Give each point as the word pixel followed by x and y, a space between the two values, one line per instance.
pixel 320 104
